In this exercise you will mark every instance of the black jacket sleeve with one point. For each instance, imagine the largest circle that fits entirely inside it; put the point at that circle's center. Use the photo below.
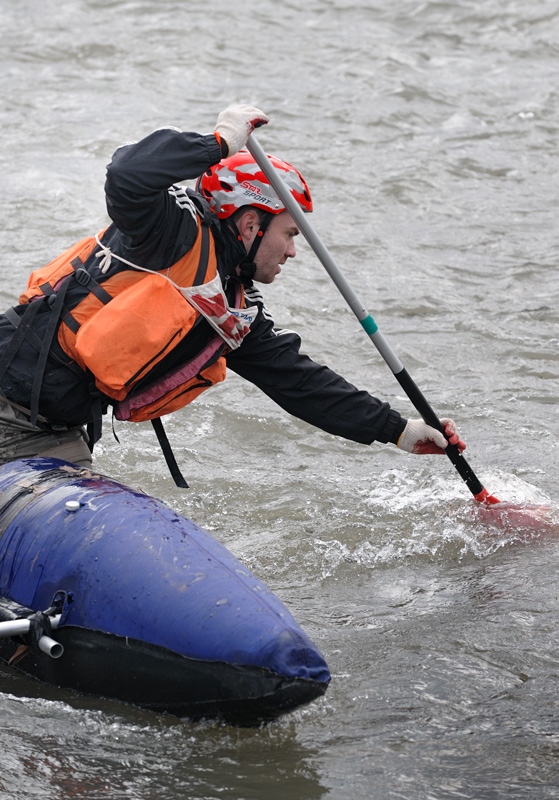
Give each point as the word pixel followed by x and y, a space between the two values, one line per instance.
pixel 271 359
pixel 156 227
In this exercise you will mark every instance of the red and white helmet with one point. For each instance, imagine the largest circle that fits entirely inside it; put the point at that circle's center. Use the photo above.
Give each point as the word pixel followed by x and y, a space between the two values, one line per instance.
pixel 238 181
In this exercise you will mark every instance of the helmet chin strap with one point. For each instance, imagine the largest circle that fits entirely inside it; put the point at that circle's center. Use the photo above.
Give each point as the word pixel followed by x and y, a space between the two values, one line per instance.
pixel 247 267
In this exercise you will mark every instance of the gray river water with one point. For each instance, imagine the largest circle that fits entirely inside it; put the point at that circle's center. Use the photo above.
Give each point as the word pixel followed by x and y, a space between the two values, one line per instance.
pixel 428 132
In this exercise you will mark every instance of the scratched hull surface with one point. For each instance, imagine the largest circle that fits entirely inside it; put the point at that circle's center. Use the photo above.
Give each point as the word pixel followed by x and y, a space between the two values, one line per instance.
pixel 156 611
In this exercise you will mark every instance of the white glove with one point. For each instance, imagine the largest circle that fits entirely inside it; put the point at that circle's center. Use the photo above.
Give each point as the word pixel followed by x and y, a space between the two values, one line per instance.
pixel 236 123
pixel 418 437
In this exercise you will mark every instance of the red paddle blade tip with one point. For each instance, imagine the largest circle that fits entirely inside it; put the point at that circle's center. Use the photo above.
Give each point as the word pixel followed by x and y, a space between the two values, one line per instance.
pixel 486 498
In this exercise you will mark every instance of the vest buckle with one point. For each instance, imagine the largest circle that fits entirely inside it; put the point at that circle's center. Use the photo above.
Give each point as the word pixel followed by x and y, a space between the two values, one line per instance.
pixel 82 276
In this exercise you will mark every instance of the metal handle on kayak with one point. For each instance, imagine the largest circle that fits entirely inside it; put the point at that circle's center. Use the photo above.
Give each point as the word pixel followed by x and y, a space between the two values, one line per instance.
pixel 19 627
pixel 366 320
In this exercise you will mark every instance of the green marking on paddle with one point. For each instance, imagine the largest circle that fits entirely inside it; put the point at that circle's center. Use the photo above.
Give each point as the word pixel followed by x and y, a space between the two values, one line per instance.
pixel 369 324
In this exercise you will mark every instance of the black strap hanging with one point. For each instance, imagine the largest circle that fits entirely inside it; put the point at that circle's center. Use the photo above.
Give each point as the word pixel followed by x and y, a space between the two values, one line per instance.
pixel 176 474
pixel 164 443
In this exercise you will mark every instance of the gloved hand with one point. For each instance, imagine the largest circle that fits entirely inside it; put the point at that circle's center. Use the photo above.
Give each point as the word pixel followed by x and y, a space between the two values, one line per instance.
pixel 236 123
pixel 418 437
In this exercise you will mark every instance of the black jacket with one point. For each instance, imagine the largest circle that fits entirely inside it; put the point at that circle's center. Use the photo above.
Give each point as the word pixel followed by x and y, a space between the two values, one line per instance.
pixel 153 226
pixel 159 230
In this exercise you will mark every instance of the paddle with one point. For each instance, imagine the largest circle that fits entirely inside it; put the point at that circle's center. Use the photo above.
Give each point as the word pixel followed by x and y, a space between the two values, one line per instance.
pixel 404 379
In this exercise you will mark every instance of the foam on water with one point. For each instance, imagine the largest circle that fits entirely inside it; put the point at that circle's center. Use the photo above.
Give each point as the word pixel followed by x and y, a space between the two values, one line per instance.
pixel 410 522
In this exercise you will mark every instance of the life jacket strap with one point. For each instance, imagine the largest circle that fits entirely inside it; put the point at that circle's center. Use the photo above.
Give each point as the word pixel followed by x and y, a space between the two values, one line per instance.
pixel 56 311
pixel 23 327
pixel 176 474
pixel 23 330
pixel 95 425
pixel 204 257
pixel 27 412
pixel 105 256
pixel 84 279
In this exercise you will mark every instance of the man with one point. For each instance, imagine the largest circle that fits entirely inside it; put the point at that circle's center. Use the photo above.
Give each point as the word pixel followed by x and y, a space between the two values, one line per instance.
pixel 150 312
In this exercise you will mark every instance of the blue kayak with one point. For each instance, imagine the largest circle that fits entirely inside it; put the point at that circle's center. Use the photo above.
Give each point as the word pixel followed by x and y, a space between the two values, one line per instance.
pixel 151 609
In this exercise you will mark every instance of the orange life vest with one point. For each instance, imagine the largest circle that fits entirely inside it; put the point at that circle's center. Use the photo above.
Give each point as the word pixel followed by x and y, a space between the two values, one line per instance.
pixel 126 324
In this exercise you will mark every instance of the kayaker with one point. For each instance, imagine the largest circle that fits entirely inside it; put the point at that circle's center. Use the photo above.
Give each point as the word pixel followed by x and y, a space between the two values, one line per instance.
pixel 96 329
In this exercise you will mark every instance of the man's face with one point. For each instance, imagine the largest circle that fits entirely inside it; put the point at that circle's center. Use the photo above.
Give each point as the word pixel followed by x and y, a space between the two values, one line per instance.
pixel 276 247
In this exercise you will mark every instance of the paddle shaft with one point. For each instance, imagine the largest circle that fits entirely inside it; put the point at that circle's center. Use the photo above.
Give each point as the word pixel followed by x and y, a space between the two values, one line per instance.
pixel 367 322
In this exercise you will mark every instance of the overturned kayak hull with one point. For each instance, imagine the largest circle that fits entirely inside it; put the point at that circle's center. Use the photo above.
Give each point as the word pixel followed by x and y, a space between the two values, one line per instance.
pixel 153 610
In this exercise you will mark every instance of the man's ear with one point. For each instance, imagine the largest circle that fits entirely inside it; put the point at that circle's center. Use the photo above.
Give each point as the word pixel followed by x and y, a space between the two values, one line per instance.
pixel 247 224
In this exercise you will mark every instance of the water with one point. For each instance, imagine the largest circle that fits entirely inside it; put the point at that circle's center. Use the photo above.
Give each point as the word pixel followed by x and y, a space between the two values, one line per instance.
pixel 428 133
